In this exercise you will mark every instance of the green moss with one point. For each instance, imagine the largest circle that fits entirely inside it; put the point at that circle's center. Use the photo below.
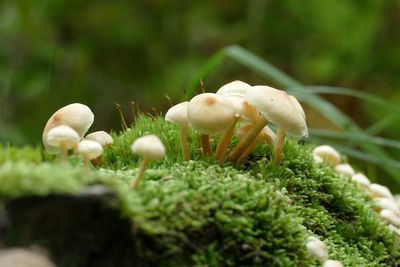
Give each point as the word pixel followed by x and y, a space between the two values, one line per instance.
pixel 198 213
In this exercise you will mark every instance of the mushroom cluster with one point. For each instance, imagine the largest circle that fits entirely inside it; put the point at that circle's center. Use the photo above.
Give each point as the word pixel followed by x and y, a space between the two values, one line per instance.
pixel 65 130
pixel 385 204
pixel 253 108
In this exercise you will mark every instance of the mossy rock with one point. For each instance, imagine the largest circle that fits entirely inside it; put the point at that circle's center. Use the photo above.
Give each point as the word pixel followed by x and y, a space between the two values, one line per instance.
pixel 194 213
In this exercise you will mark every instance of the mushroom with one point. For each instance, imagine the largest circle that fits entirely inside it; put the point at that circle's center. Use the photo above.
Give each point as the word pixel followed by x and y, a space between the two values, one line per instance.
pixel 390 217
pixel 328 154
pixel 266 135
pixel 234 92
pixel 361 179
pixel 317 249
pixel 377 190
pixel 209 114
pixel 77 116
pixel 277 107
pixel 382 203
pixel 149 147
pixel 22 257
pixel 332 263
pixel 178 114
pixel 345 169
pixel 88 150
pixel 62 138
pixel 104 139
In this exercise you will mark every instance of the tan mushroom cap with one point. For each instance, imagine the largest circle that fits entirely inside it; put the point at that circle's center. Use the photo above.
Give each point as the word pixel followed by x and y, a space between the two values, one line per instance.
pixel 89 149
pixel 378 190
pixel 100 137
pixel 234 88
pixel 277 107
pixel 361 179
pixel 77 116
pixel 149 146
pixel 390 216
pixel 328 154
pixel 210 113
pixel 62 135
pixel 178 114
pixel 345 169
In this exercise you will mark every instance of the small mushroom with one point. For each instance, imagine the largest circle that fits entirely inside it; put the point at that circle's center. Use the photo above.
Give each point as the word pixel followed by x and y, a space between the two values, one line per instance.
pixel 328 154
pixel 317 249
pixel 382 203
pixel 377 190
pixel 88 150
pixel 361 179
pixel 178 114
pixel 62 138
pixel 332 263
pixel 149 147
pixel 209 114
pixel 345 169
pixel 274 106
pixel 77 116
pixel 390 217
pixel 104 139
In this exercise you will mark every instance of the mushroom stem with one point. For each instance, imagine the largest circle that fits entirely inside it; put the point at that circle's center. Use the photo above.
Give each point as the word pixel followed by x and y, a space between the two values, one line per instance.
pixel 184 142
pixel 140 172
pixel 63 151
pixel 248 150
pixel 86 161
pixel 205 144
pixel 248 139
pixel 280 141
pixel 224 141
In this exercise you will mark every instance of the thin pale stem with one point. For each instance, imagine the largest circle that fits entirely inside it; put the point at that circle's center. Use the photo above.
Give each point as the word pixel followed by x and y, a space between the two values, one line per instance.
pixel 224 141
pixel 64 152
pixel 280 141
pixel 247 152
pixel 86 161
pixel 247 139
pixel 184 142
pixel 140 173
pixel 205 144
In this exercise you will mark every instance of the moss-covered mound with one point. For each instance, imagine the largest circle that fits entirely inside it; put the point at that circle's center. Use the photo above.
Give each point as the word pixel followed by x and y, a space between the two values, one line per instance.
pixel 187 213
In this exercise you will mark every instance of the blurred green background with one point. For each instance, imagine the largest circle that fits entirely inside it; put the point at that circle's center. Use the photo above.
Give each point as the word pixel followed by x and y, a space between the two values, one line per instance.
pixel 55 52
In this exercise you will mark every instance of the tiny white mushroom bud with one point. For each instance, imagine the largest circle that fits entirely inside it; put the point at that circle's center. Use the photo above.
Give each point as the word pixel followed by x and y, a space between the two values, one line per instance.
pixel 332 263
pixel 361 179
pixel 100 137
pixel 345 169
pixel 328 154
pixel 149 147
pixel 88 150
pixel 317 249
pixel 62 138
pixel 390 217
pixel 382 203
pixel 377 190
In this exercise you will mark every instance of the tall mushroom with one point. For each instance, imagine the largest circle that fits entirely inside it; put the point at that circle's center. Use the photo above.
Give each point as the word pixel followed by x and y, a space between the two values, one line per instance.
pixel 209 114
pixel 62 138
pixel 178 114
pixel 234 92
pixel 277 107
pixel 149 147
pixel 77 116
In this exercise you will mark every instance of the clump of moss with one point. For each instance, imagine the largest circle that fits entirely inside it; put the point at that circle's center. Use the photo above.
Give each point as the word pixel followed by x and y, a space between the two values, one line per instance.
pixel 198 213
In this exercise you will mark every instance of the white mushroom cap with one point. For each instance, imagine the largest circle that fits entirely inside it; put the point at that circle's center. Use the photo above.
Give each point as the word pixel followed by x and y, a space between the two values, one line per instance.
pixel 89 149
pixel 328 154
pixel 100 137
pixel 332 263
pixel 276 107
pixel 18 257
pixel 394 229
pixel 345 169
pixel 210 113
pixel 397 199
pixel 77 116
pixel 386 203
pixel 390 216
pixel 317 249
pixel 317 159
pixel 62 135
pixel 361 179
pixel 377 190
pixel 234 88
pixel 178 114
pixel 149 146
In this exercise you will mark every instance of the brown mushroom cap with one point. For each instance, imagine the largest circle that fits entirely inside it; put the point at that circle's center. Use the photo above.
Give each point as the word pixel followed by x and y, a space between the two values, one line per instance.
pixel 77 116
